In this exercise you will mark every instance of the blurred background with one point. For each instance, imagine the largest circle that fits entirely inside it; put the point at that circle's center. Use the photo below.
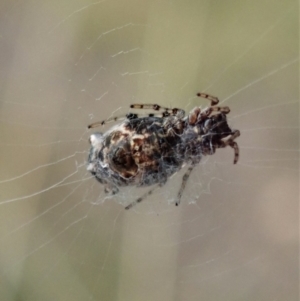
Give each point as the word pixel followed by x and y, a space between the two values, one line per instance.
pixel 65 64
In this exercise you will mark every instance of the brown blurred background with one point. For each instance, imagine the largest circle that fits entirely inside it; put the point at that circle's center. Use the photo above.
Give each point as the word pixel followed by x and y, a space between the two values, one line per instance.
pixel 65 64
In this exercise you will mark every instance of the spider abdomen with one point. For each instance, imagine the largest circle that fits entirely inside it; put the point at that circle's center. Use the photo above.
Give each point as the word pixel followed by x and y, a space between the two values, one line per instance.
pixel 133 153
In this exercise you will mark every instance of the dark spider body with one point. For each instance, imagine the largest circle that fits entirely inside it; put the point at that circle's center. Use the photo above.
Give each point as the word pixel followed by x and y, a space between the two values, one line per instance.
pixel 148 150
pixel 135 152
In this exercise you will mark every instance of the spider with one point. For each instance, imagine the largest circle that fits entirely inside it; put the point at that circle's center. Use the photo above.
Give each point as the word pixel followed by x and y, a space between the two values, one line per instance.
pixel 143 151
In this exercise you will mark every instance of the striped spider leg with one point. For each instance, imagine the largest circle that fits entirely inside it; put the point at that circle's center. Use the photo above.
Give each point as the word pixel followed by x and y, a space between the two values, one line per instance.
pixel 166 112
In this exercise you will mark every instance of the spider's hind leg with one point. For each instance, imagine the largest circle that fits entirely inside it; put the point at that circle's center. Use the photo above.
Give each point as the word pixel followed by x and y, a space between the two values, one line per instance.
pixel 111 189
pixel 183 184
pixel 143 197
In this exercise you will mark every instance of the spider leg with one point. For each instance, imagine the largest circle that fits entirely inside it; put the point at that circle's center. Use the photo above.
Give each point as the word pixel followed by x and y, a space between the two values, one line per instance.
pixel 196 115
pixel 143 197
pixel 111 189
pixel 103 122
pixel 235 147
pixel 229 140
pixel 129 116
pixel 213 100
pixel 207 112
pixel 167 111
pixel 183 184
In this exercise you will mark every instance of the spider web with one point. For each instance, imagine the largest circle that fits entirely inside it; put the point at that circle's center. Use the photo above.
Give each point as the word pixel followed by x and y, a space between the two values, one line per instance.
pixel 65 64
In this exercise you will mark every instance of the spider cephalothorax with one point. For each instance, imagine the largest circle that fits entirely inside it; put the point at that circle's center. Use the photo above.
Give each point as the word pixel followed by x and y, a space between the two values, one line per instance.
pixel 143 151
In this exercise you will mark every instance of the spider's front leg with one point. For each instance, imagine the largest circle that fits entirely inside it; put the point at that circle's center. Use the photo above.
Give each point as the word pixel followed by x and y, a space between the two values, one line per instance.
pixel 213 100
pixel 213 108
pixel 196 115
pixel 208 111
pixel 193 116
pixel 229 140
